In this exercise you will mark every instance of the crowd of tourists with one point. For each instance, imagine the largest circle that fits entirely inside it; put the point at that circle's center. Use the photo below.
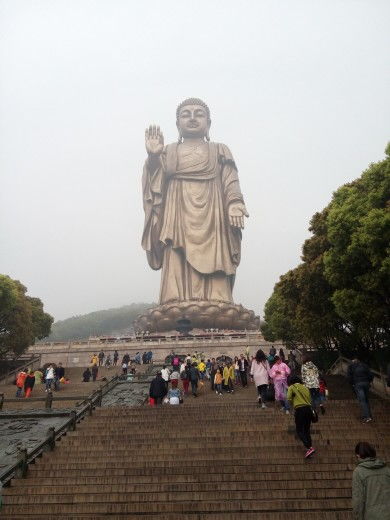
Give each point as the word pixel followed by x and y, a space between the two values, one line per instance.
pixel 297 386
pixel 127 364
pixel 108 361
pixel 52 377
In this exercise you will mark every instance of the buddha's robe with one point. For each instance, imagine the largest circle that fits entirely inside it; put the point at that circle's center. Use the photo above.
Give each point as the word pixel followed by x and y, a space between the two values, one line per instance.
pixel 187 231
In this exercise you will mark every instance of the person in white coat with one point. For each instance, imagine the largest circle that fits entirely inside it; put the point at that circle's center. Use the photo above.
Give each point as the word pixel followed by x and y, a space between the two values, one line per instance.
pixel 260 376
pixel 49 377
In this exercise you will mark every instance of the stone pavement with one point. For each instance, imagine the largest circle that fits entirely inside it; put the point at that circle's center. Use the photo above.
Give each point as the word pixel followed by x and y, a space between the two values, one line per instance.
pixel 74 388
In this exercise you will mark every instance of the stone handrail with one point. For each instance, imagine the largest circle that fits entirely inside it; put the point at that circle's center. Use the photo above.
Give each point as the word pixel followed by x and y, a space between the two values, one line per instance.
pixel 243 336
pixel 32 363
pixel 378 385
pixel 75 416
pixel 48 400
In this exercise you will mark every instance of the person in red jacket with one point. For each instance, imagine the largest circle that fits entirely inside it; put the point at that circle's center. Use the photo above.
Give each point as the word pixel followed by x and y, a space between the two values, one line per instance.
pixel 20 379
pixel 29 383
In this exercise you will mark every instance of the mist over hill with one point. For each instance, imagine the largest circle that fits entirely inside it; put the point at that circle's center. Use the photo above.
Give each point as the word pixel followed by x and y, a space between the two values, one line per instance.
pixel 110 321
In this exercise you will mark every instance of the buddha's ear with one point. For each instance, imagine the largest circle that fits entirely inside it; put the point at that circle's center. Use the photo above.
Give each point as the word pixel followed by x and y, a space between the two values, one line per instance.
pixel 207 131
pixel 180 138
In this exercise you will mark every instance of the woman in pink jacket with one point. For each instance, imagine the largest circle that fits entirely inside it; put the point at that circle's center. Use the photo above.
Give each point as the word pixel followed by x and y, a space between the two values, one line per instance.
pixel 279 373
pixel 260 375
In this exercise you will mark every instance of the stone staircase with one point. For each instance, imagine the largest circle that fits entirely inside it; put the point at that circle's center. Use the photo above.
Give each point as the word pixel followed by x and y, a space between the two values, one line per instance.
pixel 220 458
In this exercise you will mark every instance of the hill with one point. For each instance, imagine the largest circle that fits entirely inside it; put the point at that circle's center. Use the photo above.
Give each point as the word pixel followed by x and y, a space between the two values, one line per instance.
pixel 99 323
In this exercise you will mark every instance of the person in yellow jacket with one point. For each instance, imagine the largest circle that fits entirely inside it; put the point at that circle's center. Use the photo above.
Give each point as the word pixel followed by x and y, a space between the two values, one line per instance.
pixel 94 360
pixel 38 377
pixel 218 381
pixel 228 377
pixel 202 369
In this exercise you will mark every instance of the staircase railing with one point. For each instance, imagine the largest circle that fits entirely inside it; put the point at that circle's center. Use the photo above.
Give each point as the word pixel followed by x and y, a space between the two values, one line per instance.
pixel 379 384
pixel 25 457
pixel 33 363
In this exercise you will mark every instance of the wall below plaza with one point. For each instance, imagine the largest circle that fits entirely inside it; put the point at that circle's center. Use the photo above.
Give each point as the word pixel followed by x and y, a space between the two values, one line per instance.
pixel 75 354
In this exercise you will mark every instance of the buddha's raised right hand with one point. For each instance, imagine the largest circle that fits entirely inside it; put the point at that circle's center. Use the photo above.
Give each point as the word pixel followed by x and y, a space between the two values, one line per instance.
pixel 154 140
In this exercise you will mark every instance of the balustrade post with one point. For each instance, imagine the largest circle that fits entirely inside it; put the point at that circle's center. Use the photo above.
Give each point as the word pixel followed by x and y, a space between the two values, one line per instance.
pixel 22 460
pixel 49 400
pixel 73 418
pixel 51 438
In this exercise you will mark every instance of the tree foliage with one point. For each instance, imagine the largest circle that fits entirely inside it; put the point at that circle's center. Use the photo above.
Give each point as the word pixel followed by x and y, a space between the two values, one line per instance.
pixel 340 295
pixel 99 323
pixel 22 318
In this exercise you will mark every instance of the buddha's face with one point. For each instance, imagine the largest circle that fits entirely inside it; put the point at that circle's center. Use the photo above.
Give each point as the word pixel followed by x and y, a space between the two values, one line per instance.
pixel 193 121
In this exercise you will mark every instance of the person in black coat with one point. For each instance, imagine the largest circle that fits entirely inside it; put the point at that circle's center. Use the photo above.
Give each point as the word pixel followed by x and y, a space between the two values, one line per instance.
pixel 59 373
pixel 243 368
pixel 194 378
pixel 360 377
pixel 116 356
pixel 213 371
pixel 86 375
pixel 95 371
pixel 158 389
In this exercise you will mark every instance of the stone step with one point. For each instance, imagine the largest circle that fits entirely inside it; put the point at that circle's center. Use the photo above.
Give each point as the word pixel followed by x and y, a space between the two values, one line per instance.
pixel 219 409
pixel 177 496
pixel 246 424
pixel 194 474
pixel 187 465
pixel 239 424
pixel 188 507
pixel 116 484
pixel 301 515
pixel 237 439
pixel 166 452
pixel 186 438
pixel 205 430
pixel 126 459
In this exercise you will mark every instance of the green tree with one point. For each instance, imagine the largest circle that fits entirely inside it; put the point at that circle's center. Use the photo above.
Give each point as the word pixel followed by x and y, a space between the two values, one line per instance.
pixel 339 296
pixel 8 300
pixel 299 311
pixel 22 318
pixel 41 320
pixel 278 322
pixel 357 263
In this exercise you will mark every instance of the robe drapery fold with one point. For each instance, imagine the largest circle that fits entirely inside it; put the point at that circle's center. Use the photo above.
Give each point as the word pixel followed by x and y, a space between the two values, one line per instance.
pixel 187 230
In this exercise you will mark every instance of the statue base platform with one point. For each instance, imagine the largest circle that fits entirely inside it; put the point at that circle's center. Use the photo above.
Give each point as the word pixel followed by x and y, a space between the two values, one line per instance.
pixel 203 314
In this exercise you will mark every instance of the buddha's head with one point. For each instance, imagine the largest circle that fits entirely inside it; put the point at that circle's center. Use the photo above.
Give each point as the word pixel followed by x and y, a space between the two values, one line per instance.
pixel 193 119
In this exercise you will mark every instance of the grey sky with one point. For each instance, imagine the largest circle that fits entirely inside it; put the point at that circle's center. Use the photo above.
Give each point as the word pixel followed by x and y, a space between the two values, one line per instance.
pixel 299 91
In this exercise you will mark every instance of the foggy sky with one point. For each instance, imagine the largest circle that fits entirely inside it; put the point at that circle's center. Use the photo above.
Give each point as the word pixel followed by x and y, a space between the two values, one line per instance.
pixel 299 91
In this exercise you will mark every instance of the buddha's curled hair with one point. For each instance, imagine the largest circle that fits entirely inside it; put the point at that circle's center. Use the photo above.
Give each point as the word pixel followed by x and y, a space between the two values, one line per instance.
pixel 193 101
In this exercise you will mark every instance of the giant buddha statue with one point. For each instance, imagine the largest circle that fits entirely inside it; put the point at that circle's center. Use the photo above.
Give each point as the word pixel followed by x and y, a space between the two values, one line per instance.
pixel 194 214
